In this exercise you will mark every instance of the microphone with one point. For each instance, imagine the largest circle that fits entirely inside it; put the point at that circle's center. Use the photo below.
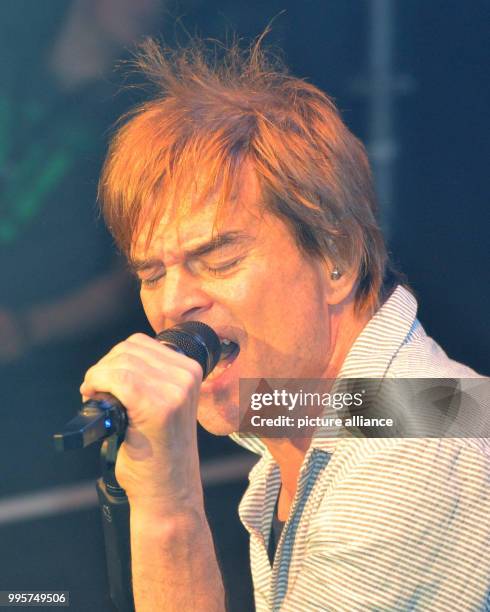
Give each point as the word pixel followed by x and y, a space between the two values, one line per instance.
pixel 104 415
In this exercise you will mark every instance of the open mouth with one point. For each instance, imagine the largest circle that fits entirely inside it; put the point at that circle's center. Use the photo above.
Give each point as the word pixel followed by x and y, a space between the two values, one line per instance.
pixel 229 352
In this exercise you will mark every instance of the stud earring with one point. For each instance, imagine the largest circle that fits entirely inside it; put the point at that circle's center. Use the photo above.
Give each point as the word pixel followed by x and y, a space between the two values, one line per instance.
pixel 335 274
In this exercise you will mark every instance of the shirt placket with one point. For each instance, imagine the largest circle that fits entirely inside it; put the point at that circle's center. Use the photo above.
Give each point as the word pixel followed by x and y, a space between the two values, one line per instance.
pixel 315 462
pixel 263 494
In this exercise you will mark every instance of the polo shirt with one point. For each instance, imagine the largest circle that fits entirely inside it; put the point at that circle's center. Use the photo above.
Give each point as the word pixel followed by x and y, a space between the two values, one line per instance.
pixel 379 524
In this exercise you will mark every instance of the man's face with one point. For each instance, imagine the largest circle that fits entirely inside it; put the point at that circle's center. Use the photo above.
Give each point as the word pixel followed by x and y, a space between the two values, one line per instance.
pixel 251 284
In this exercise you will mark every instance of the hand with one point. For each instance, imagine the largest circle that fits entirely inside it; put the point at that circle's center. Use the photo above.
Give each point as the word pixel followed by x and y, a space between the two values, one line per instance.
pixel 158 463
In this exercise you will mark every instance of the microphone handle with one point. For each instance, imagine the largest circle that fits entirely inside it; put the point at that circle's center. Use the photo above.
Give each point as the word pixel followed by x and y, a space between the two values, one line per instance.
pixel 99 418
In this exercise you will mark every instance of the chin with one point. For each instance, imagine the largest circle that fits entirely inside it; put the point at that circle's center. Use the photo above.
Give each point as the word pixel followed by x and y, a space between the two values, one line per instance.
pixel 218 419
pixel 218 429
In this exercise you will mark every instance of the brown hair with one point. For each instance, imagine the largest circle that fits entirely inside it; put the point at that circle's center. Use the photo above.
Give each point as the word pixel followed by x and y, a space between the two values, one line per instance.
pixel 210 116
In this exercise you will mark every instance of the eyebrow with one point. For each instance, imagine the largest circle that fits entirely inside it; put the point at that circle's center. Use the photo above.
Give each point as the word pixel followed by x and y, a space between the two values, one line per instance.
pixel 217 242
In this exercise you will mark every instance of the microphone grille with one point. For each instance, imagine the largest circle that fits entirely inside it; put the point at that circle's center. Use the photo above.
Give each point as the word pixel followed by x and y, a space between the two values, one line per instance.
pixel 195 340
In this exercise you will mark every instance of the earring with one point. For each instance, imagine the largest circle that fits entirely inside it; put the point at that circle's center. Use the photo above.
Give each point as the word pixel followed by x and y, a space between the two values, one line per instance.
pixel 335 274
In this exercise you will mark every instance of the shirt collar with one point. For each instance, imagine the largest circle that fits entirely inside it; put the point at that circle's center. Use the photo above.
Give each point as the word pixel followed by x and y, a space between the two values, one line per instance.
pixel 375 348
pixel 369 357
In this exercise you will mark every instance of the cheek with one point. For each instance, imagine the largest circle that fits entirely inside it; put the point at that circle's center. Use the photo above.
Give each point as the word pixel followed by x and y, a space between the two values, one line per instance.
pixel 236 291
pixel 292 316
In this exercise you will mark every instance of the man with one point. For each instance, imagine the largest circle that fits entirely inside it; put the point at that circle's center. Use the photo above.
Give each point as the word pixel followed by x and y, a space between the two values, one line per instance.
pixel 242 201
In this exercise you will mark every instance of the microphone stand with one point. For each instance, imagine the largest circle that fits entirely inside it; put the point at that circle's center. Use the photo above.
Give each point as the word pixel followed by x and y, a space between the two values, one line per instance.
pixel 103 418
pixel 114 507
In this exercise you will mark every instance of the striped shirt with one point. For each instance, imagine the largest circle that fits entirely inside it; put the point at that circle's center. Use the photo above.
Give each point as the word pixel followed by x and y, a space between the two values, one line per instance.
pixel 378 524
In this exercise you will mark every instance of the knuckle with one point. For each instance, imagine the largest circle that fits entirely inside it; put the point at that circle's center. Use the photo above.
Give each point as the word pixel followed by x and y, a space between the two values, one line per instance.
pixel 115 350
pixel 124 377
pixel 89 373
pixel 136 337
pixel 166 350
pixel 188 379
pixel 196 370
pixel 179 396
pixel 128 361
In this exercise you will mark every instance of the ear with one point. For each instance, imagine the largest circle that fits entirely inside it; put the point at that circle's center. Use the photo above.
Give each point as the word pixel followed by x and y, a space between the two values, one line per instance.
pixel 339 283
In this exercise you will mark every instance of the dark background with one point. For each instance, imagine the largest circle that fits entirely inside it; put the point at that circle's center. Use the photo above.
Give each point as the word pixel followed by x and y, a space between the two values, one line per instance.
pixel 435 214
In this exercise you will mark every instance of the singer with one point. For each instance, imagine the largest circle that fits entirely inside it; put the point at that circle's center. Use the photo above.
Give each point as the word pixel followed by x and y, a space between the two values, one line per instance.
pixel 242 200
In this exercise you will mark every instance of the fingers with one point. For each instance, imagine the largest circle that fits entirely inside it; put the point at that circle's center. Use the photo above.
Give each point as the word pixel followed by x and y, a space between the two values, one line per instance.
pixel 127 371
pixel 143 391
pixel 154 353
pixel 141 372
pixel 118 375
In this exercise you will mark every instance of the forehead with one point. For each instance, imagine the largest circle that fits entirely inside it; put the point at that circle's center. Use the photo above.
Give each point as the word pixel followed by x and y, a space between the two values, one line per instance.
pixel 190 220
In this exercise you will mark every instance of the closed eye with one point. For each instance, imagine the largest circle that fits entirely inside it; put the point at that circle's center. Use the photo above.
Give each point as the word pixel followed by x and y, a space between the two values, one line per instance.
pixel 217 269
pixel 151 279
pixel 196 267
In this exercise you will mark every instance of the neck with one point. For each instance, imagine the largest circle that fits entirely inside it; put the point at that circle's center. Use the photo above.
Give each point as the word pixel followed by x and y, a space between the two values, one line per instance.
pixel 289 453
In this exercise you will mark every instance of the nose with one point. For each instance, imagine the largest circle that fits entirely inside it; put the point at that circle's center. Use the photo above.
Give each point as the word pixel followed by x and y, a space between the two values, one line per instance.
pixel 181 298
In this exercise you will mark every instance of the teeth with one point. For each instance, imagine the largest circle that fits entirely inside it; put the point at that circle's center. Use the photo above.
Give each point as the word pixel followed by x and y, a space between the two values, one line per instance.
pixel 226 342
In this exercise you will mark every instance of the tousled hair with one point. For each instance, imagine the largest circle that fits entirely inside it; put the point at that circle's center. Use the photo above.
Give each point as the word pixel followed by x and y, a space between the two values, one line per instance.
pixel 216 111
